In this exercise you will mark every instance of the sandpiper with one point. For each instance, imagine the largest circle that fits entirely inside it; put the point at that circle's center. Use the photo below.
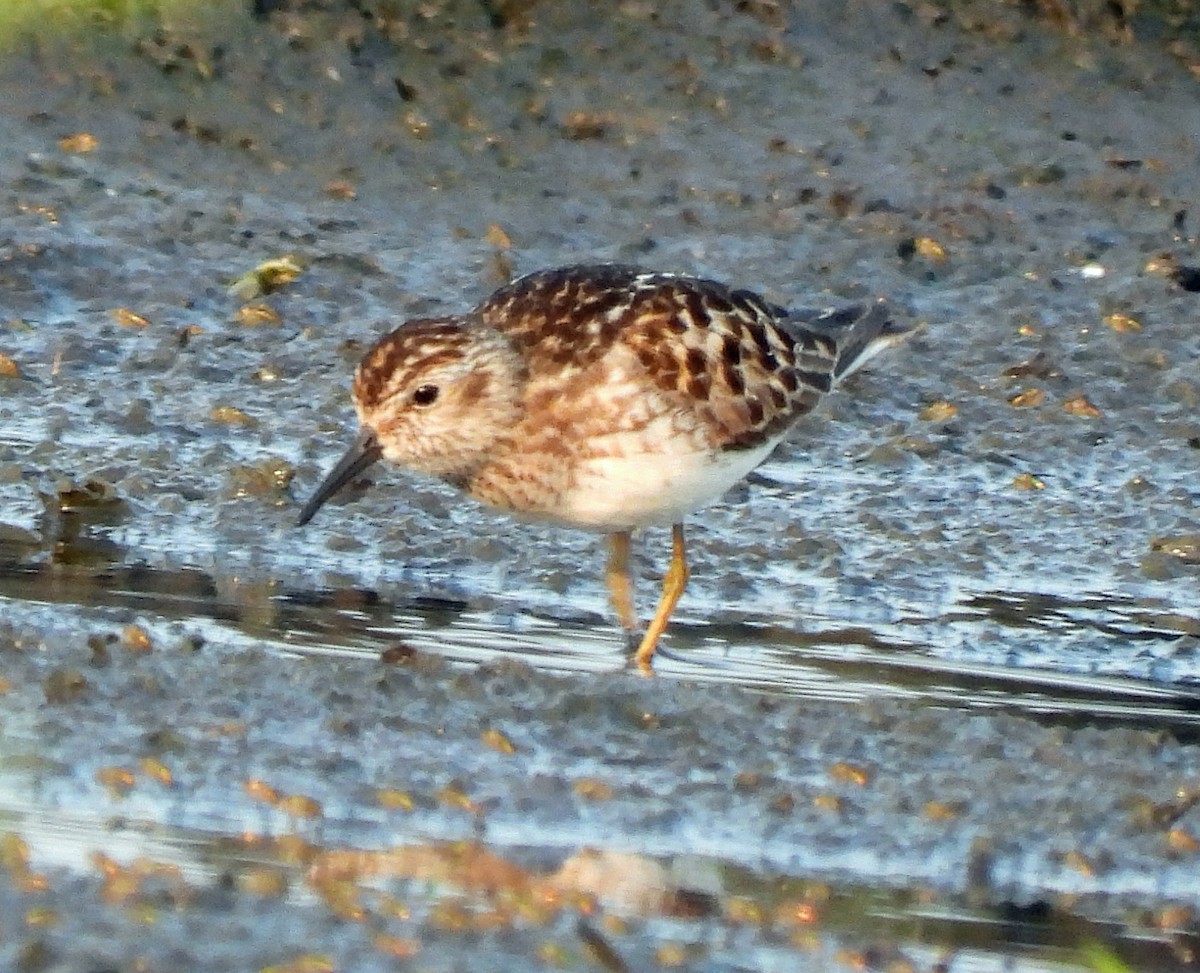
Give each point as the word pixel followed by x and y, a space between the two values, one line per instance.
pixel 606 397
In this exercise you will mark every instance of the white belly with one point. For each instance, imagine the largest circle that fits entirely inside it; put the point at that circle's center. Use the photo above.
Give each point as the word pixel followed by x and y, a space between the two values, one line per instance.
pixel 625 492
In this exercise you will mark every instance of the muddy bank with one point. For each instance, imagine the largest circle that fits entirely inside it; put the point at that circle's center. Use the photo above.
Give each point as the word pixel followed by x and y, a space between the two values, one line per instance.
pixel 931 692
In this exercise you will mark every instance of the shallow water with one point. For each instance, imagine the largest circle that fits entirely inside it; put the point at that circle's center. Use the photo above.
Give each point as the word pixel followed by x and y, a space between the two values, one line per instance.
pixel 849 663
pixel 931 696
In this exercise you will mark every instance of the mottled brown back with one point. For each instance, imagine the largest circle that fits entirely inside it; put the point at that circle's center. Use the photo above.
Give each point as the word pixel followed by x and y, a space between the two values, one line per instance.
pixel 720 353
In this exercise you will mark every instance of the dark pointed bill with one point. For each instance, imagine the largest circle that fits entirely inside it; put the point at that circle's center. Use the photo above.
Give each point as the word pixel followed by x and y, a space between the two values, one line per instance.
pixel 362 453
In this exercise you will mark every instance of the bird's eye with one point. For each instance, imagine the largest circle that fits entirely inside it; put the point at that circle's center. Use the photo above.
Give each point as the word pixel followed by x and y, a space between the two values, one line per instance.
pixel 425 395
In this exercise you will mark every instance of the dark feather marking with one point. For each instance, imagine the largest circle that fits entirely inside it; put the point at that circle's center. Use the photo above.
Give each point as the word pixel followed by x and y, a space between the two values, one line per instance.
pixel 755 409
pixel 695 303
pixel 816 380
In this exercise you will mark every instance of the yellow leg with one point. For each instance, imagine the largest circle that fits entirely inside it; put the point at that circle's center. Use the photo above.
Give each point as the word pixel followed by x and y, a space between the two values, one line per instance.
pixel 620 585
pixel 673 584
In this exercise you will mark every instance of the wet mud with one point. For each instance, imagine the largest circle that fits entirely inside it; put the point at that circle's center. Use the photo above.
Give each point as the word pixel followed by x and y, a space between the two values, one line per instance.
pixel 931 698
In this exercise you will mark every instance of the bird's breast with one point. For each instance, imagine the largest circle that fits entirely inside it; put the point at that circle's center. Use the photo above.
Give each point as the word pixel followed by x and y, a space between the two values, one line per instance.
pixel 615 491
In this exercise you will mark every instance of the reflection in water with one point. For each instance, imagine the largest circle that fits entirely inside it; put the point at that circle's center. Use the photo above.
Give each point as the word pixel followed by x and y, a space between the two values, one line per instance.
pixel 408 895
pixel 407 892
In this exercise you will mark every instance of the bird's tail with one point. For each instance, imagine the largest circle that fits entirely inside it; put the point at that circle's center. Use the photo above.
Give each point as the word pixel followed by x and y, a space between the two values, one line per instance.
pixel 860 332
